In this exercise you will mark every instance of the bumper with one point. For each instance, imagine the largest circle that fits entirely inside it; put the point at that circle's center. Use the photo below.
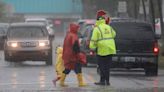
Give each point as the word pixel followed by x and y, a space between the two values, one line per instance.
pixel 28 55
pixel 134 60
pixel 131 65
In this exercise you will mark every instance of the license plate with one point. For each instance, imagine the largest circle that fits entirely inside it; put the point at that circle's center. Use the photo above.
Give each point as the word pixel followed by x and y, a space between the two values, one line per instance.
pixel 130 59
pixel 28 44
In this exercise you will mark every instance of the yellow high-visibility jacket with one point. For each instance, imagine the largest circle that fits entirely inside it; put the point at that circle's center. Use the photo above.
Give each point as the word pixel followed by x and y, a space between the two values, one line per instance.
pixel 102 39
pixel 59 66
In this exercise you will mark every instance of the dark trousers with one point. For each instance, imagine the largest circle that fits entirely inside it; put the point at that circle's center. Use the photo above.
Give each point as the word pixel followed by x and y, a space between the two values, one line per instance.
pixel 77 69
pixel 104 63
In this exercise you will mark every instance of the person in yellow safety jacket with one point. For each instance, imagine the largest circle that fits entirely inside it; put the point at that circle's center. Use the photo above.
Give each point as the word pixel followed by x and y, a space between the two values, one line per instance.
pixel 102 41
pixel 59 66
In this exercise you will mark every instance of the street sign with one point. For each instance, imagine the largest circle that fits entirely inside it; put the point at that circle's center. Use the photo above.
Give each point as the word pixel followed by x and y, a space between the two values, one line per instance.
pixel 122 7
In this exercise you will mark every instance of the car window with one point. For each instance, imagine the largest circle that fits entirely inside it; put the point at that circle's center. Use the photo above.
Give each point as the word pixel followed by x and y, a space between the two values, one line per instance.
pixel 138 31
pixel 26 32
pixel 87 29
pixel 2 30
pixel 37 21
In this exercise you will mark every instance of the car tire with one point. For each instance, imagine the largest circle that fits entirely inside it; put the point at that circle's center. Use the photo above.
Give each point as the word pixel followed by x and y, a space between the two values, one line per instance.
pixel 1 47
pixel 6 57
pixel 151 72
pixel 49 58
pixel 152 69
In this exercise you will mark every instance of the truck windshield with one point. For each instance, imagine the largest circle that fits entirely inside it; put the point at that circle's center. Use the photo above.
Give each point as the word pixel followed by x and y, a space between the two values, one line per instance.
pixel 26 32
pixel 133 31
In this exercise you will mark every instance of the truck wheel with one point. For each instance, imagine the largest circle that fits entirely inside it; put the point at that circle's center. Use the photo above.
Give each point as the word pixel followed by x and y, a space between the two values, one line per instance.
pixel 152 71
pixel 49 59
pixel 6 57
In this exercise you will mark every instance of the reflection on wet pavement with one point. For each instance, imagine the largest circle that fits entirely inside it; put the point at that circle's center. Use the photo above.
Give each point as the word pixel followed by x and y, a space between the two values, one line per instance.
pixel 42 79
pixel 14 80
pixel 156 84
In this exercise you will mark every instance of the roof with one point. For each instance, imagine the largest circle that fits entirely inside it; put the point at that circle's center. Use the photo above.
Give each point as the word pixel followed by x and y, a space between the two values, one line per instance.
pixel 127 20
pixel 87 21
pixel 27 24
pixel 4 24
pixel 35 19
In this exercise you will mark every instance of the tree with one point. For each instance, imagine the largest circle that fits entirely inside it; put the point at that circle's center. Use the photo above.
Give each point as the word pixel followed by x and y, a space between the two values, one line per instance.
pixel 2 10
pixel 91 6
pixel 88 8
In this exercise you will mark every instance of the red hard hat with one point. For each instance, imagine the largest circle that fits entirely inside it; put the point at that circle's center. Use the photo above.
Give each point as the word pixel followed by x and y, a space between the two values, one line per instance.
pixel 100 13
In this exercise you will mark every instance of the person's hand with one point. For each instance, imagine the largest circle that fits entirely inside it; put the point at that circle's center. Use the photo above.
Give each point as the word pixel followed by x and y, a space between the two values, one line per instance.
pixel 80 40
pixel 92 52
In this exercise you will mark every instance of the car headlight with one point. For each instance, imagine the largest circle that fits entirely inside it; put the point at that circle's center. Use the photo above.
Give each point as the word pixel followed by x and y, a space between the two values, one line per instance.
pixel 12 44
pixel 44 43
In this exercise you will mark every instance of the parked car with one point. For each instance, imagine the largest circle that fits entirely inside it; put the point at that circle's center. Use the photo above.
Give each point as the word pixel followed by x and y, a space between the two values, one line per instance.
pixel 3 31
pixel 86 36
pixel 42 20
pixel 83 25
pixel 47 22
pixel 28 41
pixel 86 27
pixel 136 43
pixel 137 46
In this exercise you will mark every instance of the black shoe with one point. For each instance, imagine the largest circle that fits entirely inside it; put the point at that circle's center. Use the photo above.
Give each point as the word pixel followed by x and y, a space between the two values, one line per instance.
pixel 108 84
pixel 99 83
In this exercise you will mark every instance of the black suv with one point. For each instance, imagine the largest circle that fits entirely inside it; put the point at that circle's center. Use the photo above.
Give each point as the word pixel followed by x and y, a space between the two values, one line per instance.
pixel 137 46
pixel 28 41
pixel 136 43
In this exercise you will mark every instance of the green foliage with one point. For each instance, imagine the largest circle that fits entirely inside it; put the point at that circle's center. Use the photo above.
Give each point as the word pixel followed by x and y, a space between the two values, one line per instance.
pixel 2 9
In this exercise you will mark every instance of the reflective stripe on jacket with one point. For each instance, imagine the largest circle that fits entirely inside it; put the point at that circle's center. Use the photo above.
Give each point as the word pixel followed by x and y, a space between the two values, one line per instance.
pixel 103 39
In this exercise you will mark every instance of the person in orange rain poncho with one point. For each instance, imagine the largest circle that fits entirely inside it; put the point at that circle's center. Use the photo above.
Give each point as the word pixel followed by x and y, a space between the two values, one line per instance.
pixel 72 57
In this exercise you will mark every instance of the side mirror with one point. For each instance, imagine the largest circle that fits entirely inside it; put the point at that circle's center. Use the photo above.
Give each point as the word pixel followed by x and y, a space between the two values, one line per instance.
pixel 4 37
pixel 51 25
pixel 157 21
pixel 158 31
pixel 51 36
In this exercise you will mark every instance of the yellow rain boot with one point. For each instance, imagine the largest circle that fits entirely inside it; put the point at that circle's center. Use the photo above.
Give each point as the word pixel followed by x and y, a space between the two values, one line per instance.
pixel 62 80
pixel 80 80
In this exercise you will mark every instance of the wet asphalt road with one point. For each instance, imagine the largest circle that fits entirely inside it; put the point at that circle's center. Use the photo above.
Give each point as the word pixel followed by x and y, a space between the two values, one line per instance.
pixel 37 77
